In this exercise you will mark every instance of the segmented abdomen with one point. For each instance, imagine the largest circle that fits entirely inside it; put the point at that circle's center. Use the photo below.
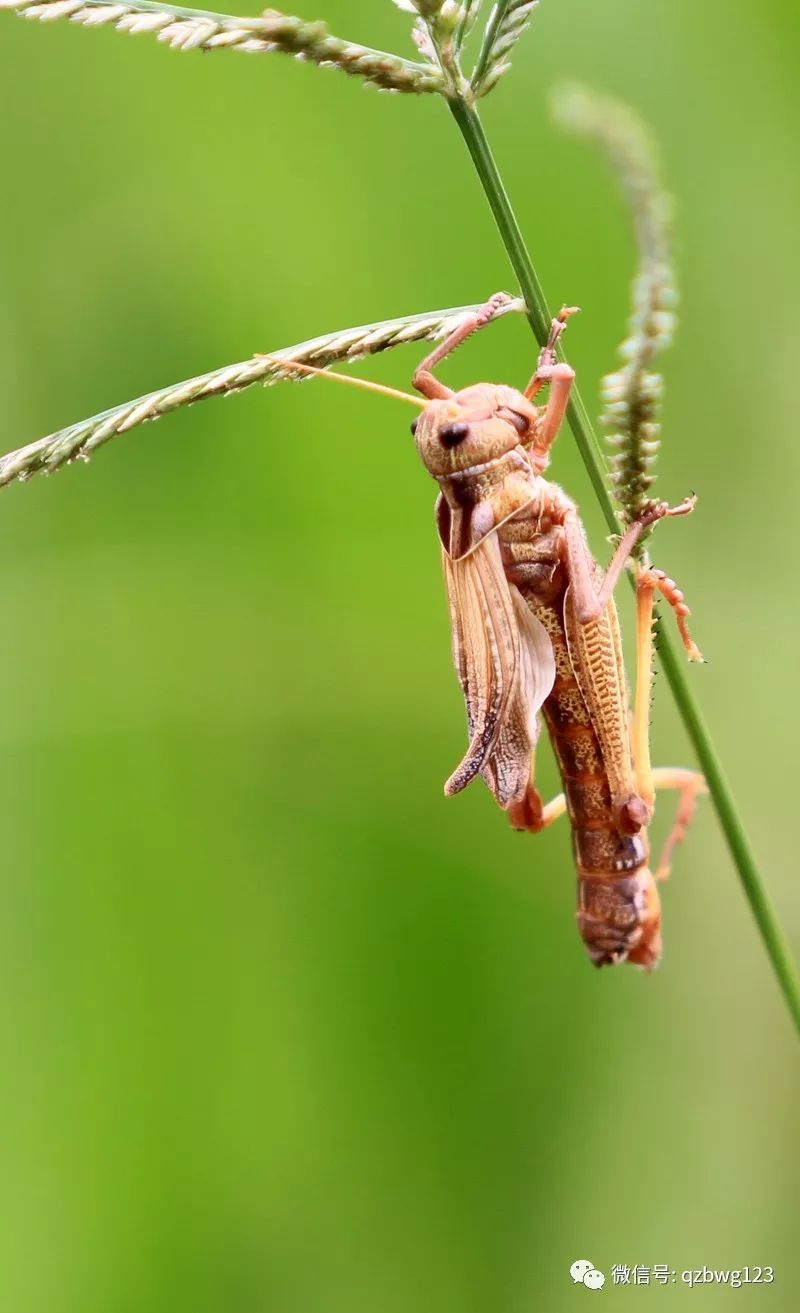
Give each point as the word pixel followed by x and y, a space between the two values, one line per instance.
pixel 600 848
pixel 533 562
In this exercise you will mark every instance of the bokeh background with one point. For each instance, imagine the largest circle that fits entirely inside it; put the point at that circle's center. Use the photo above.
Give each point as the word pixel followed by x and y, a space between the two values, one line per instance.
pixel 281 1028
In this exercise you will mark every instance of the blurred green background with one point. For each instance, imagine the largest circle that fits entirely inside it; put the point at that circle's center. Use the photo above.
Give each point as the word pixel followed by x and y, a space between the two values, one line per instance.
pixel 280 1027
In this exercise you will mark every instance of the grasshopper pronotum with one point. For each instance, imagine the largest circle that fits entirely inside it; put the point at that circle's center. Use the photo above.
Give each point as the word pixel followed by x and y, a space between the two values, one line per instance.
pixel 535 629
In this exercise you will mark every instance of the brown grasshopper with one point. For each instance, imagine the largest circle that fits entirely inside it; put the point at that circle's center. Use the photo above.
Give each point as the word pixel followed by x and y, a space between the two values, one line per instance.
pixel 535 629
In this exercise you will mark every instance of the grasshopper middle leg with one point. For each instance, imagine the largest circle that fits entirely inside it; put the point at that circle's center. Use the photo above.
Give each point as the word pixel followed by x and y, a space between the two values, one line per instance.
pixel 591 601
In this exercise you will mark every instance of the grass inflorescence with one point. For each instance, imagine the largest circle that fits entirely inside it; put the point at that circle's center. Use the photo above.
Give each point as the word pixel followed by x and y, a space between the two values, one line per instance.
pixel 200 29
pixel 78 441
pixel 632 393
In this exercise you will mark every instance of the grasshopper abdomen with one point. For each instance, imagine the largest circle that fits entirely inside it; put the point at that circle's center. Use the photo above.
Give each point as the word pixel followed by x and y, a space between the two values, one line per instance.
pixel 618 906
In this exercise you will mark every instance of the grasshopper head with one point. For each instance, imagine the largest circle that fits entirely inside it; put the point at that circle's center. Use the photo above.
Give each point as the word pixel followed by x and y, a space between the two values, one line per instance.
pixel 473 427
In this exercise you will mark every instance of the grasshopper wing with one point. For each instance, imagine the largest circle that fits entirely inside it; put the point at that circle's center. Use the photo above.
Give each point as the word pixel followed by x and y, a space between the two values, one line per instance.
pixel 508 767
pixel 504 661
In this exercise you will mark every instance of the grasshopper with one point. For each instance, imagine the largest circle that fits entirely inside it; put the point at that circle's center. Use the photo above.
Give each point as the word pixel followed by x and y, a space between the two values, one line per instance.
pixel 535 630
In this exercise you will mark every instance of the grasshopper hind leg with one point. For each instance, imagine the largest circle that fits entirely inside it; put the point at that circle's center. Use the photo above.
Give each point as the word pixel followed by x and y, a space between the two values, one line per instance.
pixel 691 785
pixel 648 583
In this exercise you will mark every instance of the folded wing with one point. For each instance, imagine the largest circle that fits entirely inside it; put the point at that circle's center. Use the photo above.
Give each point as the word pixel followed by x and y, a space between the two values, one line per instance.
pixel 504 661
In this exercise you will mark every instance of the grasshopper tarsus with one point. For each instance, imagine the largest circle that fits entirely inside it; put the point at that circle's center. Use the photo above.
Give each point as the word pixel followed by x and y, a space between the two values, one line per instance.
pixel 684 507
pixel 547 362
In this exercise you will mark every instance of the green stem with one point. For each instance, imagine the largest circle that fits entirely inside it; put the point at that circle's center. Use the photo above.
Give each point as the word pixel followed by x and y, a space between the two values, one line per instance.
pixel 539 316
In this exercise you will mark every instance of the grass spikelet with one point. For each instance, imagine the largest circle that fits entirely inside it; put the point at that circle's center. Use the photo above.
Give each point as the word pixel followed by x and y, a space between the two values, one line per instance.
pixel 507 22
pixel 469 14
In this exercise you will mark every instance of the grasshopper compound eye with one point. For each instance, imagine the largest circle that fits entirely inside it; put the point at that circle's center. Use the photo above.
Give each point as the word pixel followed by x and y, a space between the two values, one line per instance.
pixel 452 435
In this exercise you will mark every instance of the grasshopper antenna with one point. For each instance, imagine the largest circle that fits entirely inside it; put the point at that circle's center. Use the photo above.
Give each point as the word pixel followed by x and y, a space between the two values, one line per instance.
pixel 294 365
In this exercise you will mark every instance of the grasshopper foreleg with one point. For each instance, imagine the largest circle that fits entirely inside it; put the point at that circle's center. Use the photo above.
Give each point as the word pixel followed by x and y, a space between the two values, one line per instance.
pixel 547 361
pixel 561 377
pixel 424 379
